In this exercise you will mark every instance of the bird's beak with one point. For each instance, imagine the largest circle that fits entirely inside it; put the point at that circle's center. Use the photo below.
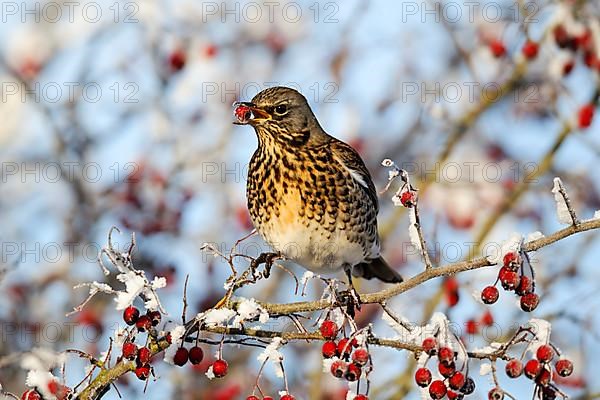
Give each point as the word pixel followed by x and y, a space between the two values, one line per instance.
pixel 248 113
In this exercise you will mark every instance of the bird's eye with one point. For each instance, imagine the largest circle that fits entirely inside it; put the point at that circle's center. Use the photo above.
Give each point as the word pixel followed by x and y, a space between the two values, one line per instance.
pixel 281 109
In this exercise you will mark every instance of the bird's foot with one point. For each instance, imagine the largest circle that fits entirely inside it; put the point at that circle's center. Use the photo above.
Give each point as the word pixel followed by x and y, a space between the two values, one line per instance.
pixel 263 258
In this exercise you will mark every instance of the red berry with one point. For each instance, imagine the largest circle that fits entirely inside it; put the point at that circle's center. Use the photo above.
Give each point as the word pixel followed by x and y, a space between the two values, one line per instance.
pixel 512 260
pixel 329 329
pixel 408 198
pixel 287 397
pixel 471 327
pixel 143 323
pixel 530 49
pixel 143 355
pixel 489 295
pixel 437 389
pixel 220 368
pixel 561 37
pixel 454 395
pixel 429 345
pixel 497 47
pixel 360 397
pixel 210 50
pixel 568 67
pixel 545 353
pixel 514 368
pixel 496 394
pixel 447 370
pixel 529 302
pixel 446 355
pixel 344 347
pixel 352 372
pixel 196 355
pixel 31 394
pixel 329 349
pixel 468 387
pixel 168 338
pixel 177 60
pixel 532 368
pixel 131 315
pixel 544 377
pixel 564 367
pixel 423 377
pixel 457 381
pixel 585 116
pixel 143 372
pixel 154 317
pixel 267 398
pixel 338 368
pixel 252 397
pixel 129 350
pixel 181 356
pixel 525 286
pixel 509 279
pixel 487 319
pixel 360 356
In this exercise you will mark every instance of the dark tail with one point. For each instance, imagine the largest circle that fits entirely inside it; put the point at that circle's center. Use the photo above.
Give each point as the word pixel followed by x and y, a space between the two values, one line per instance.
pixel 378 268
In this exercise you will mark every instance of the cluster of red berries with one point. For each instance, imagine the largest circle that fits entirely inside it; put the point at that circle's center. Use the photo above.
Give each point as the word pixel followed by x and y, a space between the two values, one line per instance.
pixel 539 370
pixel 512 279
pixel 352 357
pixel 59 391
pixel 285 396
pixel 130 351
pixel 455 384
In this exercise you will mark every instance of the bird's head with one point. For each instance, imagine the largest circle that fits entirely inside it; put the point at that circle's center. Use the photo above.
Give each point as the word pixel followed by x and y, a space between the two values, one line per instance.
pixel 278 115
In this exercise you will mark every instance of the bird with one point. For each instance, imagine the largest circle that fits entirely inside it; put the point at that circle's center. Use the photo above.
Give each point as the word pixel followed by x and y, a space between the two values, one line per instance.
pixel 309 195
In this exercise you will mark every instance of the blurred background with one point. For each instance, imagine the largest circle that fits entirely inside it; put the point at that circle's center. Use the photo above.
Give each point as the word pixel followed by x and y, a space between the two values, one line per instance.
pixel 118 113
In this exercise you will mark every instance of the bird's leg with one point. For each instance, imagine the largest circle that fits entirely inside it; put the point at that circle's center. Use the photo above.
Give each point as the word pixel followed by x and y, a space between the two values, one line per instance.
pixel 353 296
pixel 264 258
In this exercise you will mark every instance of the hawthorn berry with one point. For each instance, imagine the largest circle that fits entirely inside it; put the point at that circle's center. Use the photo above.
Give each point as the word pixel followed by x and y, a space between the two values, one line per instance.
pixel 129 350
pixel 287 397
pixel 514 368
pixel 338 368
pixel 561 37
pixel 131 315
pixel 31 394
pixel 585 116
pixel 328 329
pixel 530 49
pixel 181 356
pixel 496 394
pixel 468 387
pixel 437 389
pixel 423 377
pixel 489 294
pixel 196 355
pixel 143 372
pixel 511 260
pixel 155 317
pixel 329 349
pixel 564 367
pixel 446 355
pixel 471 327
pixel 529 302
pixel 457 381
pixel 525 286
pixel 487 318
pixel 144 355
pixel 544 377
pixel 497 48
pixel 177 60
pixel 252 397
pixel 568 67
pixel 429 345
pixel 452 395
pixel 360 356
pixel 143 323
pixel 408 198
pixel 508 278
pixel 267 398
pixel 220 368
pixel 447 370
pixel 352 372
pixel 532 368
pixel 544 353
pixel 361 397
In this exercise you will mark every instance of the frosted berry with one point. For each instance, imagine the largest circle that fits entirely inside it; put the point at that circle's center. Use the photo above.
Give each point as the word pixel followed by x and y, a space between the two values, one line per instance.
pixel 143 372
pixel 489 295
pixel 529 302
pixel 360 397
pixel 457 381
pixel 437 389
pixel 544 377
pixel 360 356
pixel 287 397
pixel 452 395
pixel 508 278
pixel 497 48
pixel 468 387
pixel 585 116
pixel 532 368
pixel 143 323
pixel 329 349
pixel 131 315
pixel 496 394
pixel 429 345
pixel 408 198
pixel 220 368
pixel 352 372
pixel 446 355
pixel 514 368
pixel 447 370
pixel 564 367
pixel 544 353
pixel 338 368
pixel 181 356
pixel 155 317
pixel 344 347
pixel 252 397
pixel 423 377
pixel 196 355
pixel 144 355
pixel 31 394
pixel 525 286
pixel 511 260
pixel 328 329
pixel 129 350
pixel 530 49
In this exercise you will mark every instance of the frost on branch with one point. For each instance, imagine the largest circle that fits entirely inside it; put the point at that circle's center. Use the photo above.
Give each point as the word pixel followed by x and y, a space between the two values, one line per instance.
pixel 565 214
pixel 512 244
pixel 272 353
